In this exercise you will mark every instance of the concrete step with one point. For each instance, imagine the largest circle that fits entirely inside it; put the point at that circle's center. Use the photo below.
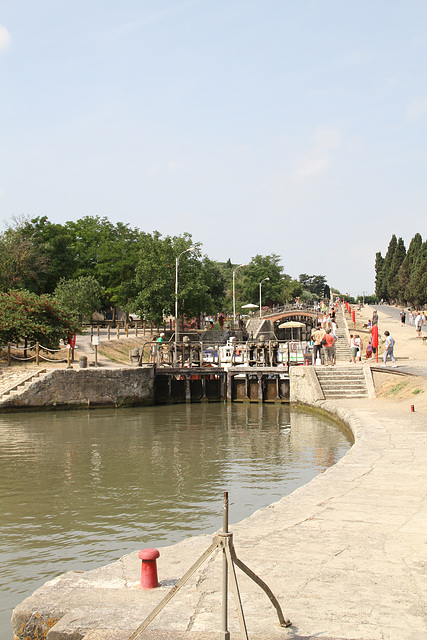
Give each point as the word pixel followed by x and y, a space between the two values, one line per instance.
pixel 345 395
pixel 342 382
pixel 347 385
pixel 16 383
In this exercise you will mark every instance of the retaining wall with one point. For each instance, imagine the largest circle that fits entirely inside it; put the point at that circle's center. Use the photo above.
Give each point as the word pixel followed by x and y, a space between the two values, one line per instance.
pixel 73 389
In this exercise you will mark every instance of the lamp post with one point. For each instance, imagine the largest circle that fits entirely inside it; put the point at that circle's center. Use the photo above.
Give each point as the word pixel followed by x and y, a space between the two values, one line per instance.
pixel 176 298
pixel 234 293
pixel 260 289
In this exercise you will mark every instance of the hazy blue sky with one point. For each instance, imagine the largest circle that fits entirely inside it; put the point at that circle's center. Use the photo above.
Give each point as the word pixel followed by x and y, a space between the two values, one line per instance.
pixel 274 126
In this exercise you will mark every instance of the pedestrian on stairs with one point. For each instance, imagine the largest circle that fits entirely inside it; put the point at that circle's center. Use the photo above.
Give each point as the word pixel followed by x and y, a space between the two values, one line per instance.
pixel 317 337
pixel 329 347
pixel 359 344
pixel 353 349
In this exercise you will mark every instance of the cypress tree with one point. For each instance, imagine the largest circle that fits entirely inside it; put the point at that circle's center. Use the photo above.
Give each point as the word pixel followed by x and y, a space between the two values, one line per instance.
pixel 386 270
pixel 407 267
pixel 418 279
pixel 379 263
pixel 393 281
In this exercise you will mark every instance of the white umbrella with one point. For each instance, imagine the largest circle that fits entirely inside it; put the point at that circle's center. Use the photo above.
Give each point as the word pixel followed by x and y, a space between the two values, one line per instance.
pixel 250 306
pixel 291 324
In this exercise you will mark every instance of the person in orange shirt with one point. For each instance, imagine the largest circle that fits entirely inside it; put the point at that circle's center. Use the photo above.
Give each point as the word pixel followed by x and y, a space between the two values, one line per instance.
pixel 329 347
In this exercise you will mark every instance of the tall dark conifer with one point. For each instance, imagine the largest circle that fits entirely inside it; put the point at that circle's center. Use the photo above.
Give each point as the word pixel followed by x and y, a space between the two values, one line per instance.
pixel 418 279
pixel 386 270
pixel 379 264
pixel 399 255
pixel 407 267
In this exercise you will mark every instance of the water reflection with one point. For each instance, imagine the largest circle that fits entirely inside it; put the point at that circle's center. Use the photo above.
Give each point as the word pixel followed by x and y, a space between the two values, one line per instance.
pixel 78 489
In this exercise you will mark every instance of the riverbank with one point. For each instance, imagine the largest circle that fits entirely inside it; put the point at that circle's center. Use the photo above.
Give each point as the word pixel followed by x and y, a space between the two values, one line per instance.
pixel 345 554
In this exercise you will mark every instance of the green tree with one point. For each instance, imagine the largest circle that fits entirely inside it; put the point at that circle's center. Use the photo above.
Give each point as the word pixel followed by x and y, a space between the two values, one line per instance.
pixel 52 243
pixel 414 253
pixel 80 297
pixel 200 282
pixel 386 271
pixel 259 268
pixel 379 287
pixel 291 288
pixel 313 284
pixel 107 252
pixel 22 266
pixel 399 255
pixel 418 279
pixel 27 316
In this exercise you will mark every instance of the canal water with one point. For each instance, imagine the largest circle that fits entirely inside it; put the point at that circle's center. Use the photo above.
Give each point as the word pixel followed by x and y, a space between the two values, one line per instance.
pixel 80 489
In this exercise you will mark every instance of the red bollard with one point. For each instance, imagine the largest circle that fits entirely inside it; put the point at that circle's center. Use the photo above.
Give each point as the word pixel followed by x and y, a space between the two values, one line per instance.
pixel 149 568
pixel 412 408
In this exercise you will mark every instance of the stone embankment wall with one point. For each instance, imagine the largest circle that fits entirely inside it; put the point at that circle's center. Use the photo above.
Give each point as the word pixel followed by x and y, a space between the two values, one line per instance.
pixel 304 386
pixel 73 389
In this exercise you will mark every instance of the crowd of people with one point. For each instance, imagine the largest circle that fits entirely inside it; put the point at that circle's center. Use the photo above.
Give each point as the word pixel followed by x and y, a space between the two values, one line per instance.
pixel 416 319
pixel 324 337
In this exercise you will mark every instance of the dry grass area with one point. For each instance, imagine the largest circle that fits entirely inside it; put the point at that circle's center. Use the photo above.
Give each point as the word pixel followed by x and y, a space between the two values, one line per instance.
pixel 409 387
pixel 118 350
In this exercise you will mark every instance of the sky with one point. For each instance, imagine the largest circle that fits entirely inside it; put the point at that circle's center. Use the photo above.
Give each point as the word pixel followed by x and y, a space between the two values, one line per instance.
pixel 257 126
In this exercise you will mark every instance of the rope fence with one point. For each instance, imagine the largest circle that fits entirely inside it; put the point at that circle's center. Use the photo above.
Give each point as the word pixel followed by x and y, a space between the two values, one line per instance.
pixel 39 353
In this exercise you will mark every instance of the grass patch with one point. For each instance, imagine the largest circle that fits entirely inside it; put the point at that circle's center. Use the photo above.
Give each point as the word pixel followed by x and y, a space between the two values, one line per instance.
pixel 416 391
pixel 398 387
pixel 118 350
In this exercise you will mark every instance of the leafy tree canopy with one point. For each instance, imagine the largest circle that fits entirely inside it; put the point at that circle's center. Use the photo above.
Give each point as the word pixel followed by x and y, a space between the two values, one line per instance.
pixel 21 264
pixel 80 297
pixel 313 284
pixel 200 282
pixel 27 316
pixel 259 268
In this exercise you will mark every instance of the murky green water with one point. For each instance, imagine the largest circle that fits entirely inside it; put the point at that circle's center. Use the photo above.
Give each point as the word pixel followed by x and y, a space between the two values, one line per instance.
pixel 80 489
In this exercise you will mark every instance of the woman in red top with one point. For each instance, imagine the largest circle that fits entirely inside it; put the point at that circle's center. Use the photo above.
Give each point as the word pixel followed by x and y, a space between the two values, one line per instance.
pixel 329 347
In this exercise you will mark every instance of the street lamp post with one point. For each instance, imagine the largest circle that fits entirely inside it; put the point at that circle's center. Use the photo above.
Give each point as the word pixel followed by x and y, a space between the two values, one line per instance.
pixel 176 299
pixel 234 293
pixel 260 289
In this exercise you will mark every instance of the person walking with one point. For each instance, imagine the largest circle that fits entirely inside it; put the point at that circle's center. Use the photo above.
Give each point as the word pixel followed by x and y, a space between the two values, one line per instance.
pixel 375 317
pixel 403 317
pixel 359 344
pixel 317 337
pixel 388 350
pixel 353 349
pixel 418 324
pixel 329 347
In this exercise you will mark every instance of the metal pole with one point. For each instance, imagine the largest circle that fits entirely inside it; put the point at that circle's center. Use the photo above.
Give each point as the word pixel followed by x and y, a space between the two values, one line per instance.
pixel 225 634
pixel 176 310
pixel 260 286
pixel 234 293
pixel 234 299
pixel 176 299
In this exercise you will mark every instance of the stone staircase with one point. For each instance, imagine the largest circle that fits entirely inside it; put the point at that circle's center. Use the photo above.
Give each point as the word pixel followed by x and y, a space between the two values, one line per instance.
pixel 342 382
pixel 14 383
pixel 342 348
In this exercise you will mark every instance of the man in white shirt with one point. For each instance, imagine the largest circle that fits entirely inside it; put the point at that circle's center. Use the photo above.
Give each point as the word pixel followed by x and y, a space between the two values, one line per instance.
pixel 388 349
pixel 418 324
